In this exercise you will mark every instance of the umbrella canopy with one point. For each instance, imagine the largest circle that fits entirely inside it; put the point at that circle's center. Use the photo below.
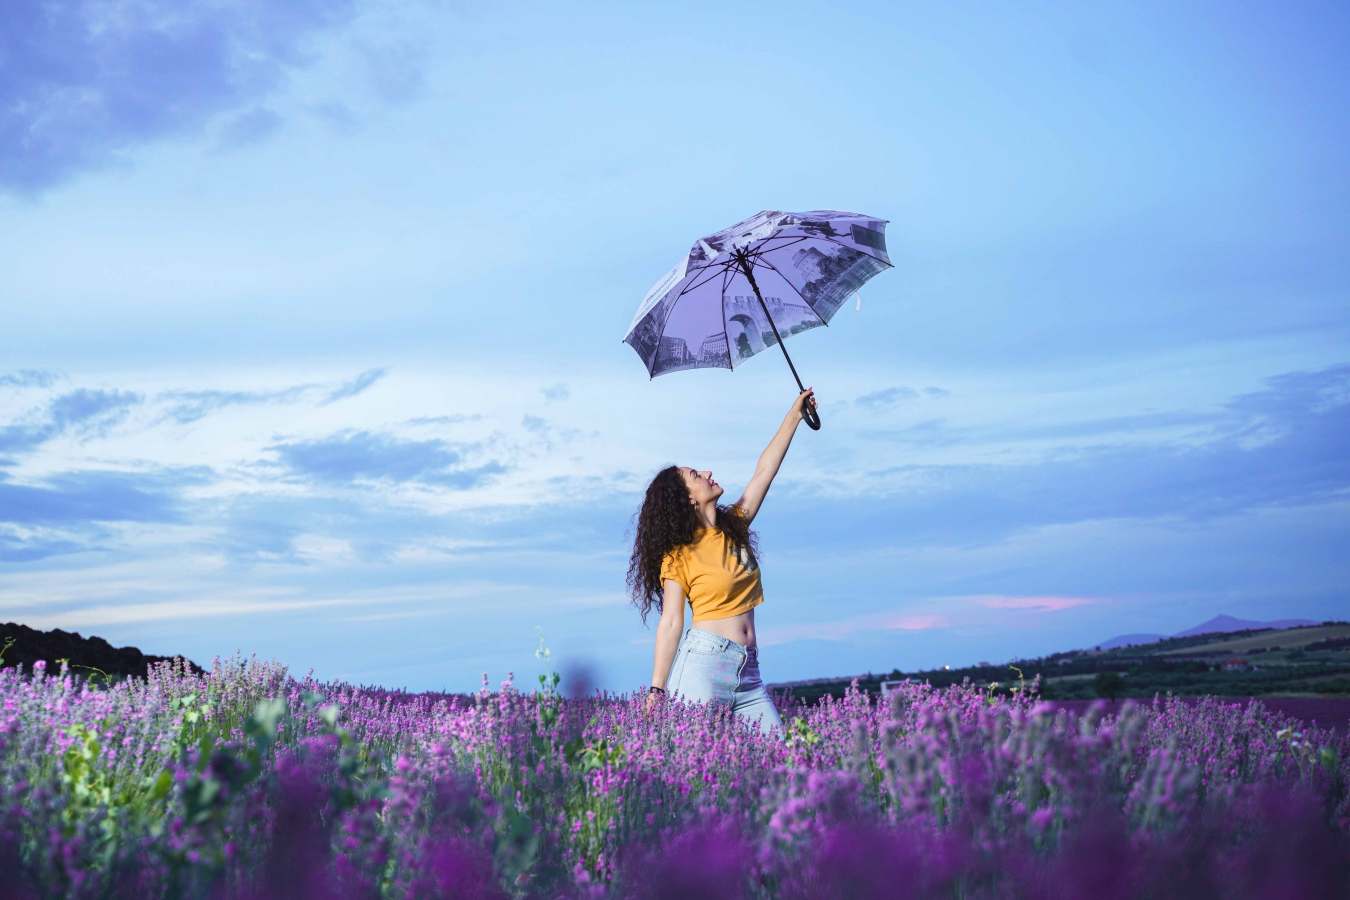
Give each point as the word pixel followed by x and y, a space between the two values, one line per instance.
pixel 734 292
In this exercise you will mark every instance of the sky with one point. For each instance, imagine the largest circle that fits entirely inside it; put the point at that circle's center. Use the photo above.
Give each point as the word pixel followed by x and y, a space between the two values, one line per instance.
pixel 311 318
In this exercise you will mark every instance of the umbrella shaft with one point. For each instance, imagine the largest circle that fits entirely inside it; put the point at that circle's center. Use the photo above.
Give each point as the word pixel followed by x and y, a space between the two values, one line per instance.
pixel 744 261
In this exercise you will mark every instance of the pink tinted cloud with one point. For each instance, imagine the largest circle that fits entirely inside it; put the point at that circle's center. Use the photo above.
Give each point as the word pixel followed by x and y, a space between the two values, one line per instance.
pixel 834 631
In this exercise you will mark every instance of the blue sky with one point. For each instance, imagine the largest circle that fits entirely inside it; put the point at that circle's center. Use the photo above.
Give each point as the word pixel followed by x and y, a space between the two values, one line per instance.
pixel 312 318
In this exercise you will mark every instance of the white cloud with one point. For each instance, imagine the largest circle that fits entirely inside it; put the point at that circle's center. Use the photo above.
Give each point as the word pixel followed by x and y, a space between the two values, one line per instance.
pixel 1034 604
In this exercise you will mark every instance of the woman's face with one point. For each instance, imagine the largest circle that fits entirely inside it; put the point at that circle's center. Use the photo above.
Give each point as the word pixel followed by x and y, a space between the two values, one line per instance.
pixel 701 486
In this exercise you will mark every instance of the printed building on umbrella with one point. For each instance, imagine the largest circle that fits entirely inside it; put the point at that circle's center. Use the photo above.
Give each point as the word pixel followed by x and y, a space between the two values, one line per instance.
pixel 778 307
pixel 673 352
pixel 714 349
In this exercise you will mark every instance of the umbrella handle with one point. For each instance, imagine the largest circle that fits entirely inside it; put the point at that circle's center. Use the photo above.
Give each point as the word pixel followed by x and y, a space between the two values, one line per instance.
pixel 811 416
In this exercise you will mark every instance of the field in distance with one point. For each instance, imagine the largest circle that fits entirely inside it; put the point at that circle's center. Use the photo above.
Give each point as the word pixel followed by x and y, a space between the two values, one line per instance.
pixel 1311 661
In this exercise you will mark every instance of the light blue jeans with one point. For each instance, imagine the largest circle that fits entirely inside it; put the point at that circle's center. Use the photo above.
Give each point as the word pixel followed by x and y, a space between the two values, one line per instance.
pixel 710 668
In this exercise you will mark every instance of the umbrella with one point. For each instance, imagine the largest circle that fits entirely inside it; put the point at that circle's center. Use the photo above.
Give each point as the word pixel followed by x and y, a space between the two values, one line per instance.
pixel 752 285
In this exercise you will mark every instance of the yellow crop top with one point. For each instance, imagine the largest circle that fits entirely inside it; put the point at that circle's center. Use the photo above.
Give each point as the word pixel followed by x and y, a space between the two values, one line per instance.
pixel 719 582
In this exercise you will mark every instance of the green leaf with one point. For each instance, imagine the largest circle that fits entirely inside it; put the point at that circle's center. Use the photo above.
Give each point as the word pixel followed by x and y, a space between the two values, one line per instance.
pixel 263 722
pixel 330 714
pixel 160 786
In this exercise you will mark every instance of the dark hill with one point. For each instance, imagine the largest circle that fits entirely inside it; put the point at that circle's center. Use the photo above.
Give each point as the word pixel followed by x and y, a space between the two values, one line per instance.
pixel 85 655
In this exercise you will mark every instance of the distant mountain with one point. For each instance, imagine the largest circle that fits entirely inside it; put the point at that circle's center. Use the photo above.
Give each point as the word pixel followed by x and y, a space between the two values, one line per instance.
pixel 1228 623
pixel 1220 624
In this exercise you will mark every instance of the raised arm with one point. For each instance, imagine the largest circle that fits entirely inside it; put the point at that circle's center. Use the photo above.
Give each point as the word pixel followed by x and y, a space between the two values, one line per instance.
pixel 772 458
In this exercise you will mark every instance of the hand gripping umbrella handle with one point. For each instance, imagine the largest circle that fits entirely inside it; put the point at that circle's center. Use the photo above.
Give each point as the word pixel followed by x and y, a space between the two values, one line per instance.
pixel 811 416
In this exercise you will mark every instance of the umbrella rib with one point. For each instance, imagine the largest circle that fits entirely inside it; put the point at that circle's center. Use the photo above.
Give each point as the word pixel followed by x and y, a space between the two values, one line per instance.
pixel 798 293
pixel 692 285
pixel 651 373
pixel 790 238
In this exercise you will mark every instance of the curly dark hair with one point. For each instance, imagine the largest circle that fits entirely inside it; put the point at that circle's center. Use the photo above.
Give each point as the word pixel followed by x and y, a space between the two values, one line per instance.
pixel 667 520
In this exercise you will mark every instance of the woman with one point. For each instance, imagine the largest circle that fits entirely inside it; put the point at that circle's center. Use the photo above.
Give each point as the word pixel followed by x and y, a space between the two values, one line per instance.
pixel 688 548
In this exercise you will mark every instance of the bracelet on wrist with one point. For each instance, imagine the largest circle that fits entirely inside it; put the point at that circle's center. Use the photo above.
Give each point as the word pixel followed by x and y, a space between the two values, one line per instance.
pixel 655 690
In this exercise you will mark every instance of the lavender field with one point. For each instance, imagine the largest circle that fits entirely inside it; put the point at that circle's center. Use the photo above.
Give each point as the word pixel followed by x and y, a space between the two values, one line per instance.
pixel 248 783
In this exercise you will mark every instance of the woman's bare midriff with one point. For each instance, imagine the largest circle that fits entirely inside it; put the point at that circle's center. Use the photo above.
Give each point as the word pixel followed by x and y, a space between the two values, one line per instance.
pixel 740 629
